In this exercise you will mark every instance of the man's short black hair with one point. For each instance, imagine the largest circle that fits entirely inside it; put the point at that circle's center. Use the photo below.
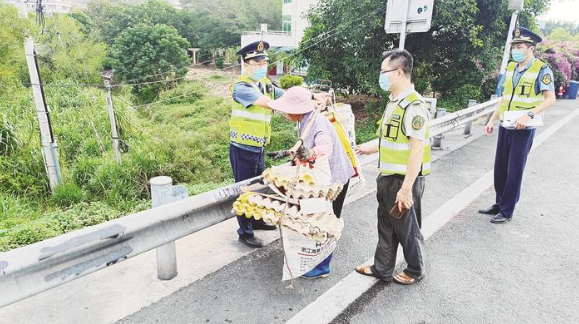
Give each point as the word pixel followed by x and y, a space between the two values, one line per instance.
pixel 400 59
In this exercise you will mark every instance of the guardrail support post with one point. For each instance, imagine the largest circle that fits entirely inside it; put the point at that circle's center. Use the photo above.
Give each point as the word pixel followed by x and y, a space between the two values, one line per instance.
pixel 468 125
pixel 162 192
pixel 437 140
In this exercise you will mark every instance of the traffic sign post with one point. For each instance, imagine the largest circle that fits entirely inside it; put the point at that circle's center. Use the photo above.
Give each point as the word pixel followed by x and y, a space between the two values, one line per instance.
pixel 516 6
pixel 408 16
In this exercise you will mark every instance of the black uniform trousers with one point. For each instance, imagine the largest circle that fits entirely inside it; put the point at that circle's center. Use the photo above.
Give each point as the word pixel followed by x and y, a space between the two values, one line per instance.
pixel 246 165
pixel 404 231
pixel 513 147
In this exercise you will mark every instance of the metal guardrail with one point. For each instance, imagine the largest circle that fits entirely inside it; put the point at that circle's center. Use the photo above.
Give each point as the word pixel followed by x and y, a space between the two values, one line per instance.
pixel 35 268
pixel 38 267
pixel 458 118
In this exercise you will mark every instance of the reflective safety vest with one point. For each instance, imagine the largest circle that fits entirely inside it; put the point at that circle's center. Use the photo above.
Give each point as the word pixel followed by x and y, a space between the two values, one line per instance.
pixel 252 125
pixel 395 145
pixel 524 95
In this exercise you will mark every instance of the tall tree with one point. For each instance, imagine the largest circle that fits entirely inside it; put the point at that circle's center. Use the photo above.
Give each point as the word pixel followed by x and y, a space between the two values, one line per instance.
pixel 112 17
pixel 12 62
pixel 68 53
pixel 463 45
pixel 219 23
pixel 155 51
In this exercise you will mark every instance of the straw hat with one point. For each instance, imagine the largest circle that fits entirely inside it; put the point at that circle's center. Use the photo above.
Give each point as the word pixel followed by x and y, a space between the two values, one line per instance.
pixel 295 101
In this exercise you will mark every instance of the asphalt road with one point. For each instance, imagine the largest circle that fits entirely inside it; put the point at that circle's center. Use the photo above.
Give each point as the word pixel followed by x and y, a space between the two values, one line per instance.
pixel 524 271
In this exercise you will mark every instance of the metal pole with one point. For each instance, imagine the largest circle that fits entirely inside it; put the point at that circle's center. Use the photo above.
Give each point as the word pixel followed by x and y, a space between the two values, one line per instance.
pixel 437 140
pixel 114 132
pixel 161 188
pixel 49 146
pixel 468 125
pixel 404 21
pixel 506 53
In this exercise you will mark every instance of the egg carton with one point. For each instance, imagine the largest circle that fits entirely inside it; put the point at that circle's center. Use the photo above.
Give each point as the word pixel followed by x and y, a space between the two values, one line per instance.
pixel 317 227
pixel 276 204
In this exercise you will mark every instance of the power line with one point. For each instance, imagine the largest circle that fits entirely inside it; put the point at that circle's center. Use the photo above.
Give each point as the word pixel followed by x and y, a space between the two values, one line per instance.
pixel 333 32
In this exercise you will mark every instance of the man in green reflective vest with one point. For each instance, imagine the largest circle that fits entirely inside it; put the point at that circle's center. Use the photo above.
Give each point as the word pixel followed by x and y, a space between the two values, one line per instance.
pixel 404 149
pixel 250 127
pixel 528 89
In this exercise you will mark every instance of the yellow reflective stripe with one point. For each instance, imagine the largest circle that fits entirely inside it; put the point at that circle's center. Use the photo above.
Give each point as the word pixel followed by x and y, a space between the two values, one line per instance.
pixel 531 75
pixel 391 167
pixel 394 146
pixel 400 146
pixel 527 100
pixel 249 115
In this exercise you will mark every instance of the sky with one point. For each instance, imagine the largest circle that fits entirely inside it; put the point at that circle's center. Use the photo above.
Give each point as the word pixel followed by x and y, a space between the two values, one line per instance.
pixel 563 10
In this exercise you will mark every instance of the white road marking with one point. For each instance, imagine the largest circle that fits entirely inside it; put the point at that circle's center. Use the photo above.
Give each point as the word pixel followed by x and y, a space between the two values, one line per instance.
pixel 330 304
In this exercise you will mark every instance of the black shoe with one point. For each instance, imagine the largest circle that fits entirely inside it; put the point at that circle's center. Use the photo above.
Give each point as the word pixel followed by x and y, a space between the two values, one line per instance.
pixel 251 241
pixel 500 218
pixel 263 227
pixel 492 210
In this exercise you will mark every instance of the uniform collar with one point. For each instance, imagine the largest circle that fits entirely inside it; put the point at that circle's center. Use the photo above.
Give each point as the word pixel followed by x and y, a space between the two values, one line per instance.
pixel 403 94
pixel 526 66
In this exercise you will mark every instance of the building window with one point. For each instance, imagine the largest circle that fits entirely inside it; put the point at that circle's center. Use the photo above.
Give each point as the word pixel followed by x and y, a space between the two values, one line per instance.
pixel 287 23
pixel 287 1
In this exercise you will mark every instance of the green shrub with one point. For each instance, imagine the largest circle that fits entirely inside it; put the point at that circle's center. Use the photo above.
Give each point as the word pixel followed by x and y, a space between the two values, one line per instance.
pixel 67 194
pixel 288 81
pixel 457 99
pixel 219 62
pixel 185 92
pixel 366 131
pixel 31 232
pixel 82 215
pixel 8 140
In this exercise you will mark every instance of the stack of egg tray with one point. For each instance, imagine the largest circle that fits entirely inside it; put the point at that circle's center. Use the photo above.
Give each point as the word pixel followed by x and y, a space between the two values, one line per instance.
pixel 318 227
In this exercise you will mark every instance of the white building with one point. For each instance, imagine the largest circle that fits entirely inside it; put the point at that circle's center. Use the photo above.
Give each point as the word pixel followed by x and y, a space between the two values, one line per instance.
pixel 294 24
pixel 48 7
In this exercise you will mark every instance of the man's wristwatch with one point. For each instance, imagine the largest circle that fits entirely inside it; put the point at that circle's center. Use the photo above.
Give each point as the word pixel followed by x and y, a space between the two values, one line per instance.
pixel 531 114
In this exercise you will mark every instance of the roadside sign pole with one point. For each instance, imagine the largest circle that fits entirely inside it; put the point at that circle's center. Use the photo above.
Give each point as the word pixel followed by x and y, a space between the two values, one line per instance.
pixel 506 53
pixel 404 22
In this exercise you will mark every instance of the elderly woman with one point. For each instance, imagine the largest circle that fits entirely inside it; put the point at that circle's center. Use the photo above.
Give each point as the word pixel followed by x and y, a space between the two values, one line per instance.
pixel 321 140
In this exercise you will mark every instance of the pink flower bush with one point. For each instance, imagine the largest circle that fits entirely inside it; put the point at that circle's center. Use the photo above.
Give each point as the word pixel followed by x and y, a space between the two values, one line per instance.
pixel 563 58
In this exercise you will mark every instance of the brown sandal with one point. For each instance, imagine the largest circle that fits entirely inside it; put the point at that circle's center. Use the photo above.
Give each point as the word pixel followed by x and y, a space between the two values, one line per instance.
pixel 365 270
pixel 404 279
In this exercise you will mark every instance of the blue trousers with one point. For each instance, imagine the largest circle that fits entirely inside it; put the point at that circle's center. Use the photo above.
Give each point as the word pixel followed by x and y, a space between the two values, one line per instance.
pixel 513 147
pixel 324 266
pixel 246 165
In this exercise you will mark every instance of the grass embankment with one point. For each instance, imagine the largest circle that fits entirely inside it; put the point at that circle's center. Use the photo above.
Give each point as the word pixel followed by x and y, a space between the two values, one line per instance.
pixel 184 135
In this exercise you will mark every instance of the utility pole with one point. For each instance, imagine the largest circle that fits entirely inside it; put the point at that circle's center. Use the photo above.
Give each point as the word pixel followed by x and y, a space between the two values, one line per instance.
pixel 107 77
pixel 49 146
pixel 516 6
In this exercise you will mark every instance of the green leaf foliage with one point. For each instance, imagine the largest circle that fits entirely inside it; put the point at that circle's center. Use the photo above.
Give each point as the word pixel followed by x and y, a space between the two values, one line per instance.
pixel 463 46
pixel 149 51
pixel 288 81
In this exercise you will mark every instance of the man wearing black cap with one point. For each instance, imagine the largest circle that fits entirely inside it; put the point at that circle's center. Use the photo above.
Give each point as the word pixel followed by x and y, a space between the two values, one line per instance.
pixel 528 87
pixel 249 127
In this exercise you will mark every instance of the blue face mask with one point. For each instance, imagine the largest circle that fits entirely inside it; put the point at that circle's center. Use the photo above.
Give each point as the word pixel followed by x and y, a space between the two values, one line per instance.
pixel 518 55
pixel 259 73
pixel 384 82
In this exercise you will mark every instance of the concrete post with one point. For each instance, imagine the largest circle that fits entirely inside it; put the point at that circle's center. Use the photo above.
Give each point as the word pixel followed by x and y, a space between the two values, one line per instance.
pixel 437 140
pixel 162 192
pixel 468 126
pixel 107 76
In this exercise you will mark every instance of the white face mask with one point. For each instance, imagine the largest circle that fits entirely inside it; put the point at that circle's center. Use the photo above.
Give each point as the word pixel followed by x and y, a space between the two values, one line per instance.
pixel 384 81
